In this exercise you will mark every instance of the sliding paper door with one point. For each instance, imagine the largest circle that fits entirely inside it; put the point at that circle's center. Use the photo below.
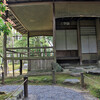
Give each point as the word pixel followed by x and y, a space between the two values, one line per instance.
pixel 71 39
pixel 66 40
pixel 60 40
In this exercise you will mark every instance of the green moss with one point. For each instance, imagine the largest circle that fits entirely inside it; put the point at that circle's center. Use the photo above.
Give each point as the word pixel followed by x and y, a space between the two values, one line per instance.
pixel 4 96
pixel 94 91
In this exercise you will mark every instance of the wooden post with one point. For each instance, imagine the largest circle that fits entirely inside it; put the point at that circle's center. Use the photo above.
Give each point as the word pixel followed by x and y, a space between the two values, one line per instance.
pixel 26 87
pixel 54 32
pixel 20 67
pixel 28 50
pixel 53 74
pixel 82 80
pixel 4 48
pixel 13 67
pixel 2 77
pixel 79 41
pixel 53 77
pixel 4 53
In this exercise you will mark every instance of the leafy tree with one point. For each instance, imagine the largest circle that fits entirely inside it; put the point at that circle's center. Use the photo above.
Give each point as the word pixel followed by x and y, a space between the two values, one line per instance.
pixel 4 28
pixel 2 7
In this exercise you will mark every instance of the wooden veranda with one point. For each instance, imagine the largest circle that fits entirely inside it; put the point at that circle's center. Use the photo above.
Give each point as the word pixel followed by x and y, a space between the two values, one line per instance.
pixel 41 29
pixel 79 19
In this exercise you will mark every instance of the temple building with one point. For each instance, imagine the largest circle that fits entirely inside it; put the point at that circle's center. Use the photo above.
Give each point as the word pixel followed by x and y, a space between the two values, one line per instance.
pixel 73 24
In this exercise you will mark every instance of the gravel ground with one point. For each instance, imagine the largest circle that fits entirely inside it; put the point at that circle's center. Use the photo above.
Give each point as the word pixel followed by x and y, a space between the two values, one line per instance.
pixel 47 92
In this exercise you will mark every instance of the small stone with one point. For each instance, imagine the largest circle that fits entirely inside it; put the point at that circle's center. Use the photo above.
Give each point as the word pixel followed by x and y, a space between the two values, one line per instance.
pixel 72 81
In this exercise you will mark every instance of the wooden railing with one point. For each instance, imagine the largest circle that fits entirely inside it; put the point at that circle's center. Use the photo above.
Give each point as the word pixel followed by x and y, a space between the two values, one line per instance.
pixel 30 53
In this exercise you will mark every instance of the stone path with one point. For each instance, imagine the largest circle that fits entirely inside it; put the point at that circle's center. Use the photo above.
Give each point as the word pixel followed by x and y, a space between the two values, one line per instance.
pixel 47 92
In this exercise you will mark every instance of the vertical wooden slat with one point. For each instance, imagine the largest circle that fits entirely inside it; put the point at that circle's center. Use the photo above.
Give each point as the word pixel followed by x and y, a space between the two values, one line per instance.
pixel 13 67
pixel 79 41
pixel 54 32
pixel 20 67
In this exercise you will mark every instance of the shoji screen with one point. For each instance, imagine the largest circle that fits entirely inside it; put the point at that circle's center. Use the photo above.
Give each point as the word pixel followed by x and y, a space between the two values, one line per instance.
pixel 71 39
pixel 88 40
pixel 66 40
pixel 60 40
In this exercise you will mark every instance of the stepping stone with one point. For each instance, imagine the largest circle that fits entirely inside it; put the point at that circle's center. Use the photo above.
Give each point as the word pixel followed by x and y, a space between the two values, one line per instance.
pixel 71 81
pixel 89 67
pixel 76 70
pixel 95 71
pixel 75 74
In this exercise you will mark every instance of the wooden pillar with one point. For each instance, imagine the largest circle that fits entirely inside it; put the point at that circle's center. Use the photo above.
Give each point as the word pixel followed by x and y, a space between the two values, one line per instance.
pixel 20 67
pixel 4 53
pixel 13 67
pixel 82 80
pixel 28 45
pixel 54 32
pixel 26 87
pixel 98 36
pixel 2 77
pixel 4 48
pixel 79 41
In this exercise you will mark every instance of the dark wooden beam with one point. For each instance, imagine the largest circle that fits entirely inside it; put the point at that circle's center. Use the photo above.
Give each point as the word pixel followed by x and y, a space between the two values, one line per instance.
pixel 19 2
pixel 15 52
pixel 29 48
pixel 30 58
pixel 20 67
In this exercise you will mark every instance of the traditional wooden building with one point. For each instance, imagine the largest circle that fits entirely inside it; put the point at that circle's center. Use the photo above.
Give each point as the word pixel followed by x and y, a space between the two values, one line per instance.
pixel 74 25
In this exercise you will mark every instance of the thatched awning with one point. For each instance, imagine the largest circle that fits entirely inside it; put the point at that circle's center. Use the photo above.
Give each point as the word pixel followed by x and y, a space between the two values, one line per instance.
pixel 37 17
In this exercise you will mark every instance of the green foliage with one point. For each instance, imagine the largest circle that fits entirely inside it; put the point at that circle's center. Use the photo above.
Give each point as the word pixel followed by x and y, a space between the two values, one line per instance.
pixel 4 96
pixel 21 43
pixel 95 91
pixel 93 86
pixel 4 28
pixel 2 7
